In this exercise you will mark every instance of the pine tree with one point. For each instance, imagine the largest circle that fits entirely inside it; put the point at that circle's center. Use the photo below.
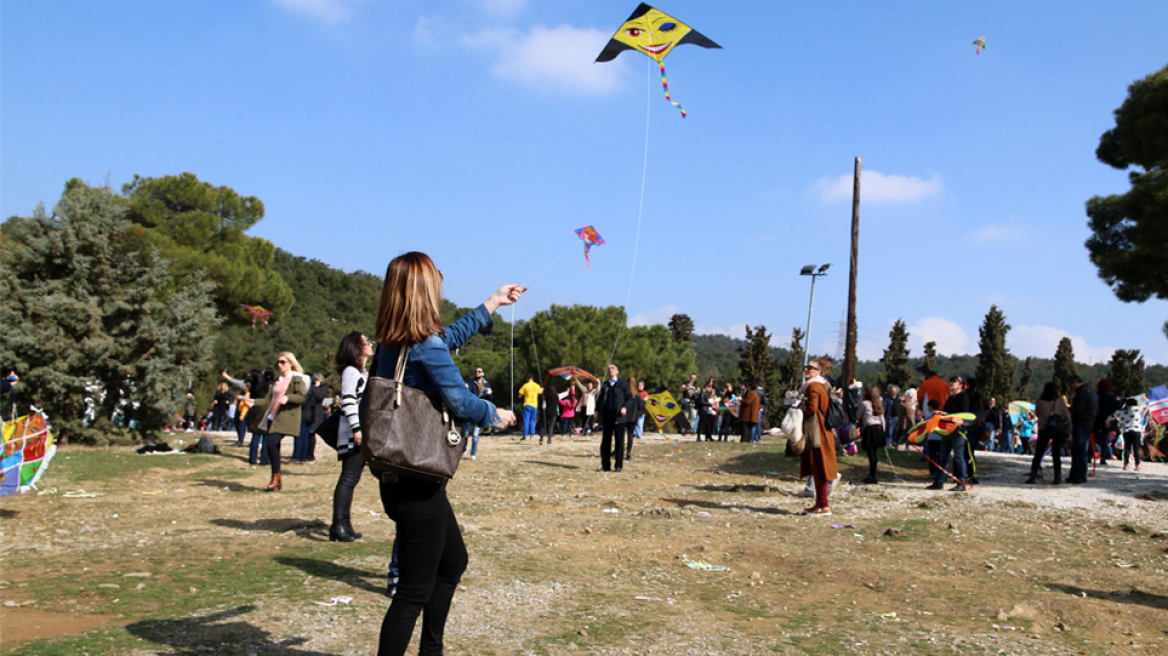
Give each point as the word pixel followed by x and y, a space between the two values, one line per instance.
pixel 790 370
pixel 929 366
pixel 895 360
pixel 682 328
pixel 754 359
pixel 90 319
pixel 1127 373
pixel 1064 365
pixel 1024 381
pixel 995 371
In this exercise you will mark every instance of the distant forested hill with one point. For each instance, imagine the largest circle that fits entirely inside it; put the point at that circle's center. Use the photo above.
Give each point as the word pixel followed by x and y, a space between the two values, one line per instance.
pixel 718 357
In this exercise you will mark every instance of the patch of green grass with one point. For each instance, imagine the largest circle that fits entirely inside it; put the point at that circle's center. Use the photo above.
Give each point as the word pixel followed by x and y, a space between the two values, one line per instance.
pixel 82 464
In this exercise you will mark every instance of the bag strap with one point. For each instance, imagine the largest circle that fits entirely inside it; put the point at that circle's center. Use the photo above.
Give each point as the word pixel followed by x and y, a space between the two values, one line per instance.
pixel 399 375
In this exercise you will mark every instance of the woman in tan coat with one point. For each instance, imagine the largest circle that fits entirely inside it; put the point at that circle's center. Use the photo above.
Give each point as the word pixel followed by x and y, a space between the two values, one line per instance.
pixel 818 461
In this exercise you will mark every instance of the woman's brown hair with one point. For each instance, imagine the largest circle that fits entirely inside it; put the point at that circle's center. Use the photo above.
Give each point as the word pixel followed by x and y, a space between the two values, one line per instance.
pixel 410 301
pixel 872 395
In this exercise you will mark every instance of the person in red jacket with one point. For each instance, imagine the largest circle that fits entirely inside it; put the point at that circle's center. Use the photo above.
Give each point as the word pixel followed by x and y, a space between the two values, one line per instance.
pixel 933 389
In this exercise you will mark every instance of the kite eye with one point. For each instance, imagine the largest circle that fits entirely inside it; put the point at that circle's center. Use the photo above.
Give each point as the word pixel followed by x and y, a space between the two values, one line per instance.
pixel 665 27
pixel 669 405
pixel 634 32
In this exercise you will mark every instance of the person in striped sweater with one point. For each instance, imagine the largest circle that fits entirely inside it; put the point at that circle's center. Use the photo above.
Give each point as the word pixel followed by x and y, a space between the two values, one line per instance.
pixel 352 355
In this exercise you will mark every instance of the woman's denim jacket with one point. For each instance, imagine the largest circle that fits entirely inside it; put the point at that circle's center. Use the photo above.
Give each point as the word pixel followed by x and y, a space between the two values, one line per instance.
pixel 431 369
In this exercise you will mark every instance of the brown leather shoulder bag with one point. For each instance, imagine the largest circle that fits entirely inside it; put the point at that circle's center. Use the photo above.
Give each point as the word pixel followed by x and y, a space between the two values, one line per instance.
pixel 407 432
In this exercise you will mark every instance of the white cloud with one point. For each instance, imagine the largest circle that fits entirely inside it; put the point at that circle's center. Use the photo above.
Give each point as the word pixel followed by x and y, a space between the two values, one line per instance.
pixel 328 11
pixel 876 187
pixel 994 233
pixel 736 330
pixel 661 316
pixel 1042 342
pixel 503 8
pixel 950 337
pixel 546 58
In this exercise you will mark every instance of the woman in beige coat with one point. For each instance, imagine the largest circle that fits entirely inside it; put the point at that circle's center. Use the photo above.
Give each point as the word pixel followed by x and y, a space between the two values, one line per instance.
pixel 818 462
pixel 281 409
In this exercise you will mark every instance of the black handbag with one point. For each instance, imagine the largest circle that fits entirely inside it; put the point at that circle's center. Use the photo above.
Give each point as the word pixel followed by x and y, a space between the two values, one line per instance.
pixel 406 431
pixel 329 428
pixel 1058 424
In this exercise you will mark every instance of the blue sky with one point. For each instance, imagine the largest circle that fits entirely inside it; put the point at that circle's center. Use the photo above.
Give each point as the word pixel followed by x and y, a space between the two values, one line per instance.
pixel 481 132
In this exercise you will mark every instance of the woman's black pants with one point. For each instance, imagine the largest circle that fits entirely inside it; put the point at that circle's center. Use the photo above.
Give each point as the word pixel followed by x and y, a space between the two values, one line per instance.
pixel 272 445
pixel 352 464
pixel 432 558
pixel 1056 441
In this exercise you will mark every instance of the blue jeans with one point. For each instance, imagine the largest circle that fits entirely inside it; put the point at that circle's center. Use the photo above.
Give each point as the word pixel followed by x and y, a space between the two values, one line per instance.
pixel 240 430
pixel 756 436
pixel 529 415
pixel 933 452
pixel 257 445
pixel 1080 444
pixel 953 455
pixel 467 429
pixel 890 432
pixel 300 443
pixel 640 429
pixel 1103 443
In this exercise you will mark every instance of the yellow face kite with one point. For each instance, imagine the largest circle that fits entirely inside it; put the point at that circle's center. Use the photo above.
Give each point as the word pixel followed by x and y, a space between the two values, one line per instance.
pixel 654 33
pixel 661 407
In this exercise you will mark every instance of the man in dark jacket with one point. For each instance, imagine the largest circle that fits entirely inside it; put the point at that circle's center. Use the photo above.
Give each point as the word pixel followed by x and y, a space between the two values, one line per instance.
pixel 1108 405
pixel 311 417
pixel 1084 408
pixel 615 408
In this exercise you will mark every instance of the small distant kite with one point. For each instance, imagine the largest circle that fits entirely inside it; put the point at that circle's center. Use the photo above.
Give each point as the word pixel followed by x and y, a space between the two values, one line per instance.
pixel 661 407
pixel 257 312
pixel 653 33
pixel 28 448
pixel 591 238
pixel 980 43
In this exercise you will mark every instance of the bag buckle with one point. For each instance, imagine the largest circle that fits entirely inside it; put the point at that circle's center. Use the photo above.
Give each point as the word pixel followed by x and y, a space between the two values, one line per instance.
pixel 453 437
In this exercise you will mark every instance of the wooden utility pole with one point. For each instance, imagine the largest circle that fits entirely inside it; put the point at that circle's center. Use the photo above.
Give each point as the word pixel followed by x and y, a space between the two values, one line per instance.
pixel 850 349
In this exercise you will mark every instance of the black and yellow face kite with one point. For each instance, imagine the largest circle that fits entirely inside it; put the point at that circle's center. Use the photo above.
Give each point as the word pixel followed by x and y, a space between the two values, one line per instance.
pixel 654 33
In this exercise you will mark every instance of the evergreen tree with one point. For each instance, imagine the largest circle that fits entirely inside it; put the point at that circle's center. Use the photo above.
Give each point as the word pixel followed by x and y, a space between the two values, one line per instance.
pixel 754 359
pixel 1127 373
pixel 790 370
pixel 895 360
pixel 1064 365
pixel 995 370
pixel 1024 381
pixel 929 365
pixel 682 328
pixel 90 320
pixel 200 227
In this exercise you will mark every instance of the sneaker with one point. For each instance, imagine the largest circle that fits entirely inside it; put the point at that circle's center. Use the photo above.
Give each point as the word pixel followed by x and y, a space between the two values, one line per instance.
pixel 805 493
pixel 474 457
pixel 937 485
pixel 1076 481
pixel 958 488
pixel 818 512
pixel 1137 467
pixel 869 480
pixel 1125 466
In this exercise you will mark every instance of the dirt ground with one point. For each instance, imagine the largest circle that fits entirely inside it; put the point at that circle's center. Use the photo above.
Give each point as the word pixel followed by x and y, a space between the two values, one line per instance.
pixel 186 554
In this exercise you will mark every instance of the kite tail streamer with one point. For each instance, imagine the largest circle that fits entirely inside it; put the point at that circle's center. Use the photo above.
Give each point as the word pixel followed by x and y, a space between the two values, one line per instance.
pixel 665 86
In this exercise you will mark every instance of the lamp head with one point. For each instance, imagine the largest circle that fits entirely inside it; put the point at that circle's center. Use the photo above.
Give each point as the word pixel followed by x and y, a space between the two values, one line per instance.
pixel 824 268
pixel 807 270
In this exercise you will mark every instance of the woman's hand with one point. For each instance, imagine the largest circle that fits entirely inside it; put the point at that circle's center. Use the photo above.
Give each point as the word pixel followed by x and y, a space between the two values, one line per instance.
pixel 506 418
pixel 357 438
pixel 283 399
pixel 507 295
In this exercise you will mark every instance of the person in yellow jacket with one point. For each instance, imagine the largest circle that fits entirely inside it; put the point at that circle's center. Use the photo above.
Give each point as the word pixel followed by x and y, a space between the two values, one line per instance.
pixel 530 394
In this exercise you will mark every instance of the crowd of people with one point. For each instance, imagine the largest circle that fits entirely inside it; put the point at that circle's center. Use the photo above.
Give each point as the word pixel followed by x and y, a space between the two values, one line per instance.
pixel 429 555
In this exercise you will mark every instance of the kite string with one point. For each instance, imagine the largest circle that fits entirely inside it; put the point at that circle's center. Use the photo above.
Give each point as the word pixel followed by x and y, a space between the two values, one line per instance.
pixel 640 212
pixel 549 265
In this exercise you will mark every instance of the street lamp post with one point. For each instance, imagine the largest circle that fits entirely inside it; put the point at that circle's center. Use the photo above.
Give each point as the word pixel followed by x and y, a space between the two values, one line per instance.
pixel 810 270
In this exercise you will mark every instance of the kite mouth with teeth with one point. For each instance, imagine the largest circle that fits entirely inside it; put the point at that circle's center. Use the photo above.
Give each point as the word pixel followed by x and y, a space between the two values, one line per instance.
pixel 661 419
pixel 656 49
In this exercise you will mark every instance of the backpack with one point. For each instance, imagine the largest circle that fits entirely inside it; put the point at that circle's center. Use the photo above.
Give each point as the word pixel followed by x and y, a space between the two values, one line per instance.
pixel 835 416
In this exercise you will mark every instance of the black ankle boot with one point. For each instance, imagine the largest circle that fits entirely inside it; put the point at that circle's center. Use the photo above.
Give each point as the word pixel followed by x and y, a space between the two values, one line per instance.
pixel 1032 479
pixel 348 524
pixel 337 533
